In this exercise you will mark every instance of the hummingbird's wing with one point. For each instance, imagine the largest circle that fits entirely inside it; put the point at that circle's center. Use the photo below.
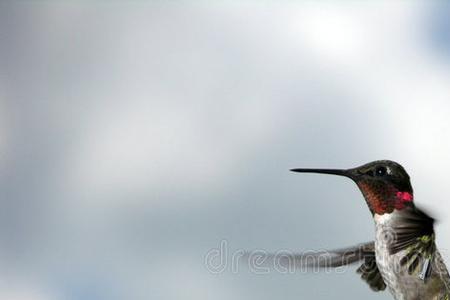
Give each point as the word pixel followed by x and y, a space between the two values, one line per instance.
pixel 371 274
pixel 413 231
pixel 369 270
pixel 342 257
pixel 314 260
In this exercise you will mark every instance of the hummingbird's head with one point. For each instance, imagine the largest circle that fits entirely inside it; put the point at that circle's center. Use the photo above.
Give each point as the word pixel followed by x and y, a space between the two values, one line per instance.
pixel 384 184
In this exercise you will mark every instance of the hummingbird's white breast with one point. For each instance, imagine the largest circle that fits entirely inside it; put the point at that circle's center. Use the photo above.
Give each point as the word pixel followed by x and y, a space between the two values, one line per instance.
pixel 403 286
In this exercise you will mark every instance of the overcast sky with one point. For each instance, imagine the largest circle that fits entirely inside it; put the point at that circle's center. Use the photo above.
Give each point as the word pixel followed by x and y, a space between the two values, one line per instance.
pixel 136 137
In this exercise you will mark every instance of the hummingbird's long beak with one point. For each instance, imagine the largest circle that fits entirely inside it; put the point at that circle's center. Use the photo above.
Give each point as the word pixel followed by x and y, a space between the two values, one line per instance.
pixel 339 172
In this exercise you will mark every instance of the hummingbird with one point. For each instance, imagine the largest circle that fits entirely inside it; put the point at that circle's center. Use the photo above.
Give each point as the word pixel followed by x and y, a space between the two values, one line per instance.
pixel 403 256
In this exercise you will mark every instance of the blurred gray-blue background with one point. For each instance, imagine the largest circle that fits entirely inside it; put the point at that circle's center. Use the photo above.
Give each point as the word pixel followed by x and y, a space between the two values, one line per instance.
pixel 134 137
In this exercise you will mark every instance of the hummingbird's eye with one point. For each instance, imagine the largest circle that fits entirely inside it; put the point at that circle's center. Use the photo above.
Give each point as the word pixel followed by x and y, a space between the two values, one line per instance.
pixel 380 171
